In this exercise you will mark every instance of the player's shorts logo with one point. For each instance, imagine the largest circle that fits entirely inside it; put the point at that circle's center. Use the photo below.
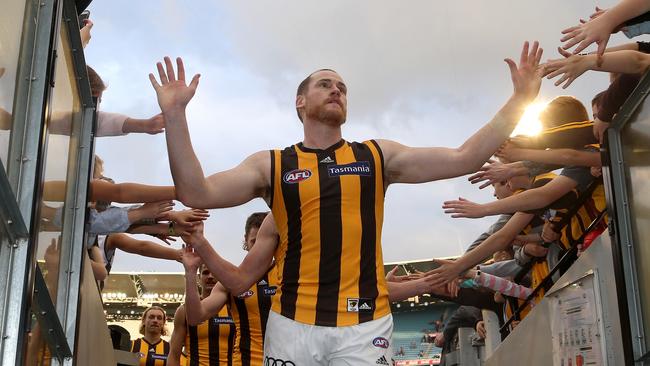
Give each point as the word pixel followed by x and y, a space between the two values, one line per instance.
pixel 296 176
pixel 269 361
pixel 357 168
pixel 380 342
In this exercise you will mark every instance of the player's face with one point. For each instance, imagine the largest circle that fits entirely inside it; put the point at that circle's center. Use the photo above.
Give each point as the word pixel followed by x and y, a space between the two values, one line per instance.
pixel 207 279
pixel 154 321
pixel 251 237
pixel 326 98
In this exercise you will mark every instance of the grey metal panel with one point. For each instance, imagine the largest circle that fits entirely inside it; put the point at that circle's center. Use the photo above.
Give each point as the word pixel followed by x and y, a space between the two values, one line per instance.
pixel 72 253
pixel 493 336
pixel 23 168
pixel 635 109
pixel 50 326
pixel 469 355
pixel 535 331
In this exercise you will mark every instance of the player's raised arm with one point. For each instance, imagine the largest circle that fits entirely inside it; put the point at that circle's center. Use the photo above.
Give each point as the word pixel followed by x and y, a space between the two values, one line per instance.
pixel 416 165
pixel 237 279
pixel 229 188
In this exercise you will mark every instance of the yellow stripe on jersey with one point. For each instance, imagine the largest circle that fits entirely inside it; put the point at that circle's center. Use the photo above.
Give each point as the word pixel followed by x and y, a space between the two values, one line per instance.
pixel 151 354
pixel 250 311
pixel 328 208
pixel 211 342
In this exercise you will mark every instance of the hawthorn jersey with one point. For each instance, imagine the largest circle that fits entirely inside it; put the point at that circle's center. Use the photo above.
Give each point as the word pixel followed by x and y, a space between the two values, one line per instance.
pixel 328 208
pixel 250 311
pixel 211 343
pixel 151 354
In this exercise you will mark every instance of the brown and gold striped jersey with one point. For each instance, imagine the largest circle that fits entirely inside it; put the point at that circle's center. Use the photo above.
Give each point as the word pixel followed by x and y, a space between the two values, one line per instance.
pixel 151 354
pixel 211 343
pixel 250 311
pixel 328 207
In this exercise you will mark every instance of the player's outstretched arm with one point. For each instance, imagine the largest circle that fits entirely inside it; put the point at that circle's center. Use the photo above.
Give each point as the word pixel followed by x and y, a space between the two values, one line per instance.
pixel 230 188
pixel 416 165
pixel 178 337
pixel 237 279
pixel 199 309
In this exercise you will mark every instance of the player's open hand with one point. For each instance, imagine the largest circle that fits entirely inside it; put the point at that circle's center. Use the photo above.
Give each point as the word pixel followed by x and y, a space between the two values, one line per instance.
pixel 172 91
pixel 527 76
pixel 191 261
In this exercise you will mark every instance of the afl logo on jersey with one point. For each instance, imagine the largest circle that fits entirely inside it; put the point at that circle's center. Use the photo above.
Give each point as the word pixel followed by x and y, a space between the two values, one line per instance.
pixel 296 176
pixel 246 294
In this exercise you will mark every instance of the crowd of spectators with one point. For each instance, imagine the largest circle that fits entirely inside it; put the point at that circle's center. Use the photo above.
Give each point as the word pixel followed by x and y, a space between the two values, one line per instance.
pixel 548 188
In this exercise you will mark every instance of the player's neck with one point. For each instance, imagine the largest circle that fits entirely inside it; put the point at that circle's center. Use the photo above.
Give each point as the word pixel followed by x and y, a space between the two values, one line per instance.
pixel 321 135
pixel 152 338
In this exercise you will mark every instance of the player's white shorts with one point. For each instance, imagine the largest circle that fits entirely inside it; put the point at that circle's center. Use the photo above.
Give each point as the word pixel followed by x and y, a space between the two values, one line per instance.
pixel 290 343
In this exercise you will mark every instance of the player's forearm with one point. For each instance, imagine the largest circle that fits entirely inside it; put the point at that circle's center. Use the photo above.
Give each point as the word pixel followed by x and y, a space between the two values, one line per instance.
pixel 186 170
pixel 194 309
pixel 231 277
pixel 482 145
pixel 398 291
pixel 173 358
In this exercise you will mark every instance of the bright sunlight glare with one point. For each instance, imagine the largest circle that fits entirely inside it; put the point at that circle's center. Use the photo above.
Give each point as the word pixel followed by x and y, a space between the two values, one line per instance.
pixel 529 123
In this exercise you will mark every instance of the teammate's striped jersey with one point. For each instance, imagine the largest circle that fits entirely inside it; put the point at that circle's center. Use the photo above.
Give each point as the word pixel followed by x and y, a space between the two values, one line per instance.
pixel 328 208
pixel 151 354
pixel 211 343
pixel 250 312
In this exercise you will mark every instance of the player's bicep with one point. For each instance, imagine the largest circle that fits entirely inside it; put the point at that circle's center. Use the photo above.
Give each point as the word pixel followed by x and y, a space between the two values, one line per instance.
pixel 405 164
pixel 242 183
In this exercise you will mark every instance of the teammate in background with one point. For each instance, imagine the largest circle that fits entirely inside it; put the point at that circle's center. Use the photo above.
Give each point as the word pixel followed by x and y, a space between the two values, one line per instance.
pixel 209 342
pixel 250 309
pixel 151 348
pixel 326 196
